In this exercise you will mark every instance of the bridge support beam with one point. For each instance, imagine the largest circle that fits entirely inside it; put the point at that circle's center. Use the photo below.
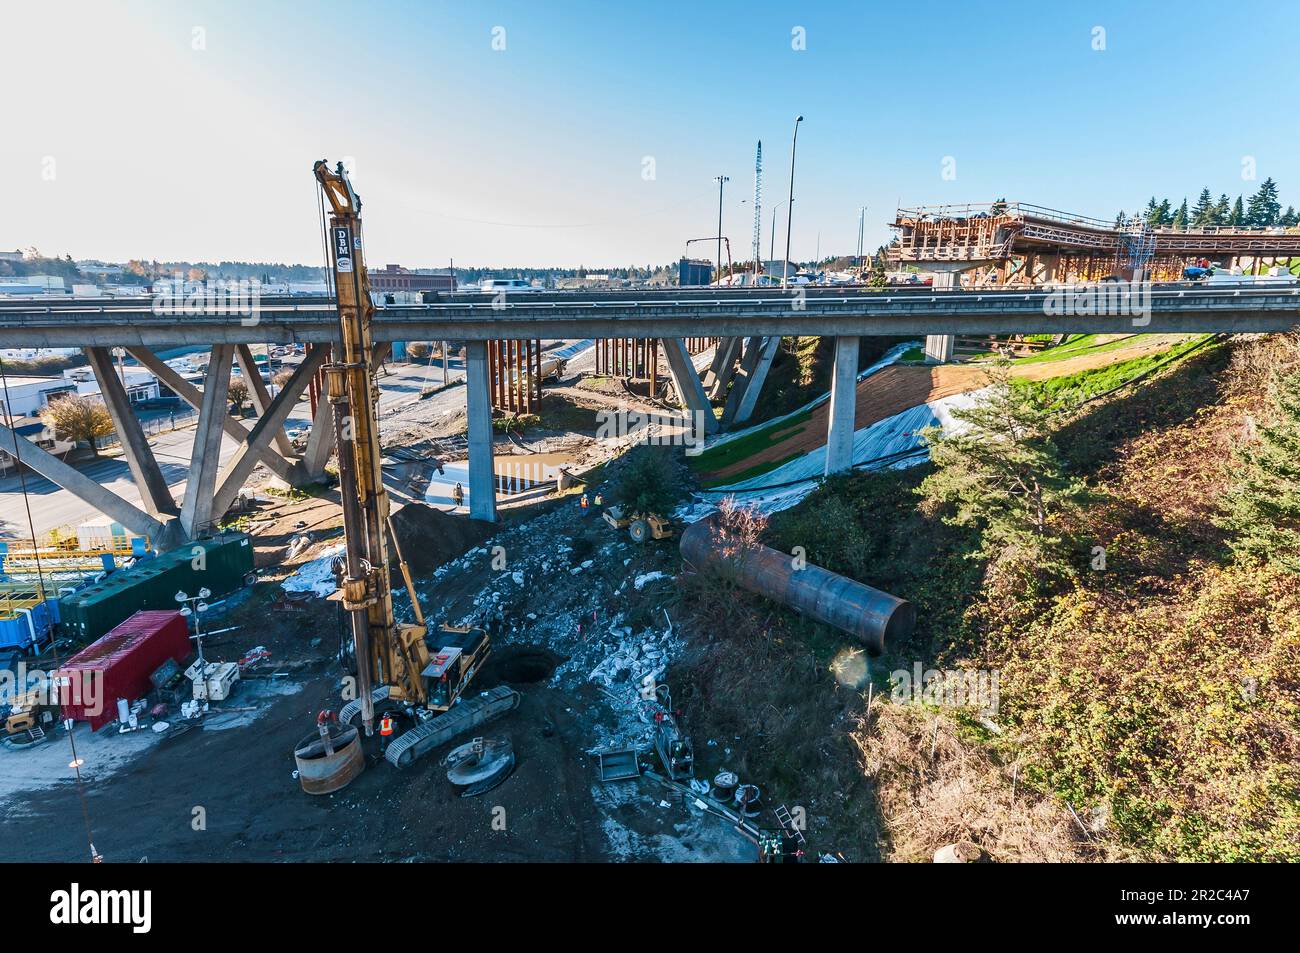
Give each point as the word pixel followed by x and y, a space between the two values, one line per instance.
pixel 745 391
pixel 730 350
pixel 842 416
pixel 715 366
pixel 258 393
pixel 939 348
pixel 478 406
pixel 205 459
pixel 236 471
pixel 187 392
pixel 82 486
pixel 321 442
pixel 154 492
pixel 690 390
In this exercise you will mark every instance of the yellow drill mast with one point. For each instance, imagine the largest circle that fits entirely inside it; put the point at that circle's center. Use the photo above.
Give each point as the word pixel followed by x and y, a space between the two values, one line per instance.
pixel 387 653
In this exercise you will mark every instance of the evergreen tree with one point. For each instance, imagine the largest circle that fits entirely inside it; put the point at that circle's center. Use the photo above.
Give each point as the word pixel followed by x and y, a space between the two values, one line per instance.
pixel 1238 214
pixel 1003 476
pixel 1222 210
pixel 1263 507
pixel 1264 207
pixel 1203 209
pixel 1180 217
pixel 1151 214
pixel 1289 217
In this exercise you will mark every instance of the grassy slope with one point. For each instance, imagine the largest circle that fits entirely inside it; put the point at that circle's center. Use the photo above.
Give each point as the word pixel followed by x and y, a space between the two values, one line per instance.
pixel 1158 699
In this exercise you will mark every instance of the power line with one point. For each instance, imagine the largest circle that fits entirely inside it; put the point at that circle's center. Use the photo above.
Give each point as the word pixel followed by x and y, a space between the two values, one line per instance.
pixel 40 587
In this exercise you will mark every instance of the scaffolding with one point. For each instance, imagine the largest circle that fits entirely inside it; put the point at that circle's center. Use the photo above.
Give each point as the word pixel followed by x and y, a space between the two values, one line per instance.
pixel 1020 243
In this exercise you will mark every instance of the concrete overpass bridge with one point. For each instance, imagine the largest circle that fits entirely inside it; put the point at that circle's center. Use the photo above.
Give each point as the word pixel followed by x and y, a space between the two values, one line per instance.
pixel 750 322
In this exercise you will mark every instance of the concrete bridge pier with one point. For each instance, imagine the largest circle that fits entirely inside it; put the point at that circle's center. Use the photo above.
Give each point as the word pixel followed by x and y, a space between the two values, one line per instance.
pixel 939 348
pixel 205 459
pixel 478 406
pixel 745 390
pixel 729 352
pixel 842 418
pixel 155 495
pixel 689 387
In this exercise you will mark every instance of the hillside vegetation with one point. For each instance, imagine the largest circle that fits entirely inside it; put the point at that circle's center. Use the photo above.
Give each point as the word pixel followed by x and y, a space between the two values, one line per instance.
pixel 1148 701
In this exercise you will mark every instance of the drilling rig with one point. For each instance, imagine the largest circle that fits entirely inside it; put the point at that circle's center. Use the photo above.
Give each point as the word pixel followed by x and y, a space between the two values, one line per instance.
pixel 419 676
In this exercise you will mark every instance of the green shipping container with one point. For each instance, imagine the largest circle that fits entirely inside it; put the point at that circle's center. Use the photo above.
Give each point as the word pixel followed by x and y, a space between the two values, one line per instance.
pixel 221 563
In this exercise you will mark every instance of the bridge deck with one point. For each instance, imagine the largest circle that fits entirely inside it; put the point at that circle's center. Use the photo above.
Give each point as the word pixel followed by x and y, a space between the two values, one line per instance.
pixel 36 322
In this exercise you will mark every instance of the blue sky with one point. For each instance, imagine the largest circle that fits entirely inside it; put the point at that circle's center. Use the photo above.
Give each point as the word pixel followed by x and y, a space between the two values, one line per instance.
pixel 187 130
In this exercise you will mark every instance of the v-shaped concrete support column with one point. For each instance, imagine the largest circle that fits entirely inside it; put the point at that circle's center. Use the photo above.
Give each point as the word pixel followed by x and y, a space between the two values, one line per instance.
pixel 745 390
pixel 205 459
pixel 690 390
pixel 80 485
pixel 236 471
pixel 260 396
pixel 146 473
pixel 187 392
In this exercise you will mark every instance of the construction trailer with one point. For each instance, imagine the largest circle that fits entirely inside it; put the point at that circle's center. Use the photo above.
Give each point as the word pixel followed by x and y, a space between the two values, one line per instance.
pixel 221 563
pixel 28 613
pixel 118 665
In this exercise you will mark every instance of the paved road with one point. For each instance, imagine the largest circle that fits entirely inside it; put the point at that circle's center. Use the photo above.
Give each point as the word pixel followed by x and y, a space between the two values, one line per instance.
pixel 53 507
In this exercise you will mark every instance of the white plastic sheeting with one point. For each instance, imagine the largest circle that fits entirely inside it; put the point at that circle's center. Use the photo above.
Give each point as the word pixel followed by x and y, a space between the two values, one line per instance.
pixel 789 483
pixel 316 576
pixel 889 357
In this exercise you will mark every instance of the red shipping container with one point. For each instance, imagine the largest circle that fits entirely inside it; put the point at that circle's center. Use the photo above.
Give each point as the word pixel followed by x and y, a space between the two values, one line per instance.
pixel 119 665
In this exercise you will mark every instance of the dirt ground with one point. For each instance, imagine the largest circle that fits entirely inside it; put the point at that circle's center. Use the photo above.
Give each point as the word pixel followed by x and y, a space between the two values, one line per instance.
pixel 573 593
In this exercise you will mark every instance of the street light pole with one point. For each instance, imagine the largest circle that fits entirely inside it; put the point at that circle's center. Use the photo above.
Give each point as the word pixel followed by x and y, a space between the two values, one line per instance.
pixel 771 245
pixel 789 212
pixel 721 180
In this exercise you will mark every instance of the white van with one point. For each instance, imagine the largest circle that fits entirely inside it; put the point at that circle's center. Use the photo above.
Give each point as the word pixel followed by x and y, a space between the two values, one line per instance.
pixel 493 286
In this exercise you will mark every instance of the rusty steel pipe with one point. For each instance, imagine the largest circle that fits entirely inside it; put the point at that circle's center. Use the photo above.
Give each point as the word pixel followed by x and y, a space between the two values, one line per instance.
pixel 876 619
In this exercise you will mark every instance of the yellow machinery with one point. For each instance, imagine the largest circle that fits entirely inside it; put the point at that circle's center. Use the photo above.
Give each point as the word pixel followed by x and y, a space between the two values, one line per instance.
pixel 640 526
pixel 397 666
pixel 62 550
pixel 26 720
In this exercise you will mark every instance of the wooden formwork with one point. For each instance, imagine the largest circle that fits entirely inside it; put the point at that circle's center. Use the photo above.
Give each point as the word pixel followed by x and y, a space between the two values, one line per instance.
pixel 638 358
pixel 515 375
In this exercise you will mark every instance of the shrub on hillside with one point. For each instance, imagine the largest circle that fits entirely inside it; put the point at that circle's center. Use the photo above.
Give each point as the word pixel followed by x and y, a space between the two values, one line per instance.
pixel 1002 475
pixel 1262 509
pixel 648 483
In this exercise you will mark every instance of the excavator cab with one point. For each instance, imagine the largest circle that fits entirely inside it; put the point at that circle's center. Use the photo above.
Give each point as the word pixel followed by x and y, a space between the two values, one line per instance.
pixel 455 655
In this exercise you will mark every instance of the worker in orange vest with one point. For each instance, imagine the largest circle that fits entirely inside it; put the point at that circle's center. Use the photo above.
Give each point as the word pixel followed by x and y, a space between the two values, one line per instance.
pixel 583 504
pixel 385 731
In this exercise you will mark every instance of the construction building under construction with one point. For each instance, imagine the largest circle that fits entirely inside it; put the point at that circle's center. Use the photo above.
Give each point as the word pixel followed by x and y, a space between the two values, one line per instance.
pixel 1015 243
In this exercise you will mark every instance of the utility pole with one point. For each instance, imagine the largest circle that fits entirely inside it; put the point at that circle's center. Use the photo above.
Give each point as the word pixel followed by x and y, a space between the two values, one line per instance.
pixel 789 212
pixel 446 374
pixel 758 207
pixel 721 180
pixel 862 224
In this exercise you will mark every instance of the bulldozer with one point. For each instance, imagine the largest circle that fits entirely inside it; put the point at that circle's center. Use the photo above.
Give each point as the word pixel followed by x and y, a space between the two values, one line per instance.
pixel 640 526
pixel 402 668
